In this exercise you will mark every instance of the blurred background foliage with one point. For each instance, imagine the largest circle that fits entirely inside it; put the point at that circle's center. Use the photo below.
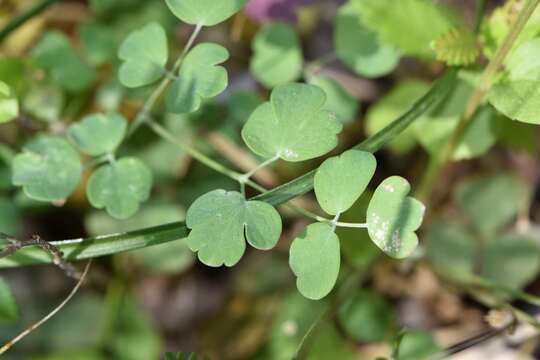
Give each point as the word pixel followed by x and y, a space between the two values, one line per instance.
pixel 480 240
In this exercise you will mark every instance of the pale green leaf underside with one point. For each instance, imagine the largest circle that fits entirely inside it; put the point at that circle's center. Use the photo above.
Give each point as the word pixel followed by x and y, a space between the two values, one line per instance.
pixel 204 12
pixel 48 169
pixel 392 218
pixel 277 56
pixel 519 100
pixel 359 47
pixel 292 125
pixel 338 100
pixel 9 106
pixel 315 260
pixel 222 221
pixel 199 78
pixel 98 134
pixel 145 55
pixel 340 180
pixel 409 25
pixel 120 187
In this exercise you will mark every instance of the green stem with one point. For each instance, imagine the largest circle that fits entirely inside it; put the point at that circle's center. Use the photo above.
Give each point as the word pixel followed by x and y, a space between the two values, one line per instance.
pixel 19 20
pixel 439 161
pixel 144 113
pixel 196 154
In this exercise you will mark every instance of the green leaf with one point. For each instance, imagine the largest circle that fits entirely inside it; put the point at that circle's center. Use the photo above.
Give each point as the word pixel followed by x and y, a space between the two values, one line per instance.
pixel 9 216
pixel 393 217
pixel 100 46
pixel 366 316
pixel 221 221
pixel 277 56
pixel 338 100
pixel 480 200
pixel 98 134
pixel 409 25
pixel 44 102
pixel 456 47
pixel 450 248
pixel 55 54
pixel 314 259
pixel 120 187
pixel 199 78
pixel 9 312
pixel 359 47
pixel 522 63
pixel 418 345
pixel 519 100
pixel 145 55
pixel 340 180
pixel 511 259
pixel 48 169
pixel 292 125
pixel 391 105
pixel 9 106
pixel 204 12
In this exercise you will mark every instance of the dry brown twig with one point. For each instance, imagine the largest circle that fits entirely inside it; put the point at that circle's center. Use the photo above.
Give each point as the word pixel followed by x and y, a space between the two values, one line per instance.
pixel 8 345
pixel 35 240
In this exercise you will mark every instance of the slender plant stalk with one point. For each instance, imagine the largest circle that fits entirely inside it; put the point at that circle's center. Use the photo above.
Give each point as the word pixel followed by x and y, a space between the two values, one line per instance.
pixel 34 326
pixel 439 161
pixel 19 20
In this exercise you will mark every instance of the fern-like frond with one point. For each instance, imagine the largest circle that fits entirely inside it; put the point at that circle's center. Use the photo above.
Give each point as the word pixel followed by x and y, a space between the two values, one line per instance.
pixel 456 47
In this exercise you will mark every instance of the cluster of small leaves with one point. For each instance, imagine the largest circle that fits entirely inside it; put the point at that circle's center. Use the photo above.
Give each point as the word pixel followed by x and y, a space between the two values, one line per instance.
pixel 456 47
pixel 484 246
pixel 392 218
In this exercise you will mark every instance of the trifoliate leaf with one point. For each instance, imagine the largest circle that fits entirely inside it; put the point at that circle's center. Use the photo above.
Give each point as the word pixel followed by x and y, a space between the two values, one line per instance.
pixel 9 311
pixel 519 100
pixel 490 202
pixel 120 187
pixel 48 169
pixel 338 100
pixel 314 259
pixel 292 125
pixel 366 317
pixel 359 47
pixel 9 106
pixel 511 260
pixel 100 46
pixel 409 25
pixel 393 217
pixel 390 106
pixel 199 78
pixel 277 56
pixel 204 12
pixel 222 221
pixel 456 47
pixel 340 180
pixel 98 134
pixel 145 55
pixel 55 54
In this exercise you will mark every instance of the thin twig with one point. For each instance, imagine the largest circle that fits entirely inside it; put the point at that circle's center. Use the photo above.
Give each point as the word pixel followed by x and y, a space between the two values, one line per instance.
pixel 34 326
pixel 35 240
